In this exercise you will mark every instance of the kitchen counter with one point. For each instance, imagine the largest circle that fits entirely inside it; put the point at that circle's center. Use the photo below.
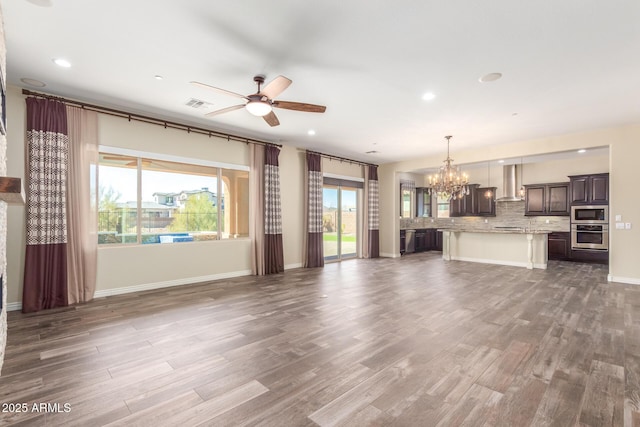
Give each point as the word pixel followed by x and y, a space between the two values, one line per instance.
pixel 506 246
pixel 495 230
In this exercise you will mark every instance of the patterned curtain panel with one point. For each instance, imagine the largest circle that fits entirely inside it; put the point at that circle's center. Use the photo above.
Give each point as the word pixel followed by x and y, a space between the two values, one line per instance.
pixel 373 204
pixel 273 249
pixel 45 275
pixel 315 255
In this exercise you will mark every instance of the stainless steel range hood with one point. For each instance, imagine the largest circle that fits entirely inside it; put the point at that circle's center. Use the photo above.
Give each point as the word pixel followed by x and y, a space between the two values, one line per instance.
pixel 509 187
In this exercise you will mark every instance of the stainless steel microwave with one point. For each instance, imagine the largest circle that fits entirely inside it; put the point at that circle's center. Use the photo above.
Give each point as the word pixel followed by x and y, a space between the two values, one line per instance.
pixel 589 214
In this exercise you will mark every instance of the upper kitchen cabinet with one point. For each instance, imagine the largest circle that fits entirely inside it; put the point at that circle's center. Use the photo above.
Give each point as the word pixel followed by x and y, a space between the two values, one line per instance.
pixel 590 189
pixel 466 206
pixel 547 199
pixel 423 202
pixel 485 206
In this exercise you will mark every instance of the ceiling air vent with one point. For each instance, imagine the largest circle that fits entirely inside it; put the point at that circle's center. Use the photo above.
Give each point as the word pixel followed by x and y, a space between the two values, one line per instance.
pixel 197 103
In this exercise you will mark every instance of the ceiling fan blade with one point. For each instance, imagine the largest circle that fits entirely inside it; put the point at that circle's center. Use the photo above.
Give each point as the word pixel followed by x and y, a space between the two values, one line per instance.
pixel 225 110
pixel 217 89
pixel 271 119
pixel 300 106
pixel 275 87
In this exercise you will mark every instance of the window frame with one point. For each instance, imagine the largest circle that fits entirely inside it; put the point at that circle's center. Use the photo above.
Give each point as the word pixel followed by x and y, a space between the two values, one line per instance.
pixel 139 155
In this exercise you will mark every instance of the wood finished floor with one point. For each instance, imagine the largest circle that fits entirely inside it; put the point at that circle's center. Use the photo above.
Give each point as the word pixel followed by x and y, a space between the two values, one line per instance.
pixel 409 342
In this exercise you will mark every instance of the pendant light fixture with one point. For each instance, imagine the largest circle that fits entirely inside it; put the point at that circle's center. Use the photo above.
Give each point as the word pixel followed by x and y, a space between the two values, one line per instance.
pixel 449 183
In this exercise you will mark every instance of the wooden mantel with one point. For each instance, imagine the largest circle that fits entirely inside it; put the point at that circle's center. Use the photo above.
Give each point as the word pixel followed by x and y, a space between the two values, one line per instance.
pixel 11 190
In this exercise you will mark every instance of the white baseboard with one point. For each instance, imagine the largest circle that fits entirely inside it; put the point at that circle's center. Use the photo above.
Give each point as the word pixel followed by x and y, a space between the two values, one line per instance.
pixel 292 266
pixel 389 255
pixel 499 262
pixel 14 306
pixel 17 306
pixel 169 283
pixel 627 280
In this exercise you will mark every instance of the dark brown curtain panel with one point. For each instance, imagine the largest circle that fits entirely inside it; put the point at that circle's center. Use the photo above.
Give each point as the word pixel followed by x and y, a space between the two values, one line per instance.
pixel 315 254
pixel 45 270
pixel 273 249
pixel 373 205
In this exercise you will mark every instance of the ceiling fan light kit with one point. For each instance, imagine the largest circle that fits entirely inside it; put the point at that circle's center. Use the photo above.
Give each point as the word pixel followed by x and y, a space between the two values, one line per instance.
pixel 262 102
pixel 258 108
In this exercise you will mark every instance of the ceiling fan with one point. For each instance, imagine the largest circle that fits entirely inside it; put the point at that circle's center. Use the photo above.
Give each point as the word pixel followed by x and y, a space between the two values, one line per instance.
pixel 262 102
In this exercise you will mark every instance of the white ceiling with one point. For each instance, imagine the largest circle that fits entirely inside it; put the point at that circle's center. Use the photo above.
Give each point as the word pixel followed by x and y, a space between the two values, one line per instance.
pixel 567 66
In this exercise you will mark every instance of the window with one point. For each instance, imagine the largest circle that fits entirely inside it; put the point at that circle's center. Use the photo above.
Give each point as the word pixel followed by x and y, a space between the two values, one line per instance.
pixel 148 200
pixel 406 202
pixel 443 207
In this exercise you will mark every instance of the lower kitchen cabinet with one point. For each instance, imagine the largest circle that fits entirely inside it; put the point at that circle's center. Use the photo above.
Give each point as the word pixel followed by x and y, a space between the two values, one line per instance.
pixel 426 239
pixel 437 246
pixel 559 248
pixel 592 256
pixel 559 244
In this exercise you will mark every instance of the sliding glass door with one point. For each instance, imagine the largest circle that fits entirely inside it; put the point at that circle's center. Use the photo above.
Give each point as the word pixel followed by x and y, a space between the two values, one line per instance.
pixel 340 222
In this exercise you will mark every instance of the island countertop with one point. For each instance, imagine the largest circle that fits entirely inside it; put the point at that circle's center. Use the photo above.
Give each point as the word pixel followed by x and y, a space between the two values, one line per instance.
pixel 506 246
pixel 495 230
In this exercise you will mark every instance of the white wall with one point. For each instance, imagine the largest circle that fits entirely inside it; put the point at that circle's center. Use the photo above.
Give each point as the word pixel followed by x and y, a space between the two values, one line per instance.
pixel 342 168
pixel 16 115
pixel 291 162
pixel 126 268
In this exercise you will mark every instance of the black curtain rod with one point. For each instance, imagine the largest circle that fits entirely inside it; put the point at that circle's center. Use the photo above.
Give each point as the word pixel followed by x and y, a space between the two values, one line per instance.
pixel 342 159
pixel 150 120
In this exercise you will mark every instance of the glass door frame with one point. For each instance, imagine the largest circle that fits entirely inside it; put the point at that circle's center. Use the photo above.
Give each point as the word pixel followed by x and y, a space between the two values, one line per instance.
pixel 344 185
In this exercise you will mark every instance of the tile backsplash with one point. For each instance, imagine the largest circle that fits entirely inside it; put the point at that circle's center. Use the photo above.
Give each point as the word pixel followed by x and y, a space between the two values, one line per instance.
pixel 508 214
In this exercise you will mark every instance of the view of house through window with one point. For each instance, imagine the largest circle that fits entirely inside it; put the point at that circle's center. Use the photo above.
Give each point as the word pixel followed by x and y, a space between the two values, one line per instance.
pixel 146 200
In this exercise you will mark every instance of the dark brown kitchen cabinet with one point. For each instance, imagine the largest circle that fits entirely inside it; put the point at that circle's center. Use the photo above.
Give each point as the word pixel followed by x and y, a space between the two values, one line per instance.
pixel 547 199
pixel 558 199
pixel 437 244
pixel 421 241
pixel 485 206
pixel 534 199
pixel 423 202
pixel 559 246
pixel 589 189
pixel 466 206
pixel 426 239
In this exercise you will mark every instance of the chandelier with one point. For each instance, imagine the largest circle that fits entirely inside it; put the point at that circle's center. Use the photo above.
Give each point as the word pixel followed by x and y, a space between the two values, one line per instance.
pixel 449 183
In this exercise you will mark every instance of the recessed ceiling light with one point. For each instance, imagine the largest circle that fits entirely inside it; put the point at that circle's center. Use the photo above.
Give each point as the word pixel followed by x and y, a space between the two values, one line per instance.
pixel 514 114
pixel 62 63
pixel 158 77
pixel 428 96
pixel 582 151
pixel 32 82
pixel 311 132
pixel 500 161
pixel 491 77
pixel 42 3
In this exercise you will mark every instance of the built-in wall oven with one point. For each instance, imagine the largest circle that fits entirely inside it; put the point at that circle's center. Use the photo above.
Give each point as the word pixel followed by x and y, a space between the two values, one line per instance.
pixel 590 236
pixel 590 227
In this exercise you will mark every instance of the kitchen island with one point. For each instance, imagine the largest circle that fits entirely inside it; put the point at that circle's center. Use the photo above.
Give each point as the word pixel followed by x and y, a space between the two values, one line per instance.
pixel 515 247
